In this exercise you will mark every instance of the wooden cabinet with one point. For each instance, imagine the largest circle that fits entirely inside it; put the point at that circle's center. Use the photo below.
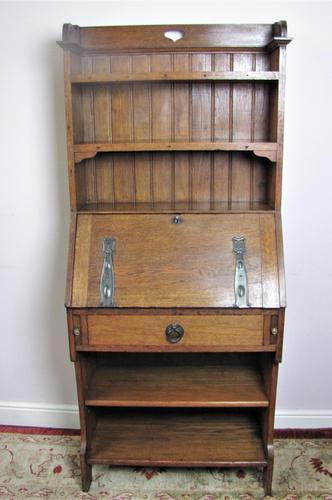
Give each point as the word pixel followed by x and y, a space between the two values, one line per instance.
pixel 175 291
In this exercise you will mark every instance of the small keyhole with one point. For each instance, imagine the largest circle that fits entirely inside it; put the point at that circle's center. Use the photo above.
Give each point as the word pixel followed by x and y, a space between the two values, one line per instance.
pixel 177 219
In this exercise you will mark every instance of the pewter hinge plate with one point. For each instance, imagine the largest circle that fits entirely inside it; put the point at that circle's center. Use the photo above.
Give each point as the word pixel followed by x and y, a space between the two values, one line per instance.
pixel 107 284
pixel 240 277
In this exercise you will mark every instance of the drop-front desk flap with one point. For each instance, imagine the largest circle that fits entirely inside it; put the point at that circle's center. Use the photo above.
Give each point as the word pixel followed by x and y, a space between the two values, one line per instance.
pixel 182 261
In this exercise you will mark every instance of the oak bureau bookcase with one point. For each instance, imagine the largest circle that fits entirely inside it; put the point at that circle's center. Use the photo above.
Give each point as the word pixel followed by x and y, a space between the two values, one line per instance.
pixel 175 291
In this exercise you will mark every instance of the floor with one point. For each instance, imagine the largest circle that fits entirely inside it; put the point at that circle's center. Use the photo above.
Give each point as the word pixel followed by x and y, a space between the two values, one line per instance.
pixel 34 465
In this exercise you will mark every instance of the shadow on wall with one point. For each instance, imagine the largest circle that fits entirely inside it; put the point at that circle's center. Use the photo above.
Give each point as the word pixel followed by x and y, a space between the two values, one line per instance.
pixel 54 315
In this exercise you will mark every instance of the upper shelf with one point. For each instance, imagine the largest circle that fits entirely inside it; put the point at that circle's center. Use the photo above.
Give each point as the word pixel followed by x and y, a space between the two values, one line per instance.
pixel 176 76
pixel 89 150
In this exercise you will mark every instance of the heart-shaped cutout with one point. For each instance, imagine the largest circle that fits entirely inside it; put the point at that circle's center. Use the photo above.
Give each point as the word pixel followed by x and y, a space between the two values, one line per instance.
pixel 174 35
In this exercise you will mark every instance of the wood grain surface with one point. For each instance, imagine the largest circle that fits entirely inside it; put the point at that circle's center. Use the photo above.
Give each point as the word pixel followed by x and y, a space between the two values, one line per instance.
pixel 173 438
pixel 231 385
pixel 147 330
pixel 161 264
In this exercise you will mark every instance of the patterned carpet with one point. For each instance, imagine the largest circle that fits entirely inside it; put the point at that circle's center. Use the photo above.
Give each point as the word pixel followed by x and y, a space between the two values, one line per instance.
pixel 47 466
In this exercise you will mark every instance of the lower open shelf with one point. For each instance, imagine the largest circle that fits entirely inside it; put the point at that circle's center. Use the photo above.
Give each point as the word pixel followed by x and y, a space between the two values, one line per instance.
pixel 186 438
pixel 224 385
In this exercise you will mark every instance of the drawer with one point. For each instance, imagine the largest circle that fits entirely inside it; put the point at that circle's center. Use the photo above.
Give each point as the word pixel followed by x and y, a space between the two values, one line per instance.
pixel 159 330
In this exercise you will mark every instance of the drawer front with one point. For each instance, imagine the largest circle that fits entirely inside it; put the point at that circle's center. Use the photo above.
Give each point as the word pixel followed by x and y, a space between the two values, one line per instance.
pixel 145 331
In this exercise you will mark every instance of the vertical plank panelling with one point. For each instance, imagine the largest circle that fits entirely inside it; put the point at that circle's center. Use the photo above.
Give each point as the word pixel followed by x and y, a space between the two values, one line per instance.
pixel 181 187
pixel 181 62
pixel 88 114
pixel 142 171
pixel 122 127
pixel 191 111
pixel 240 177
pixel 201 100
pixel 140 63
pixel 86 62
pixel 103 132
pixel 273 112
pixel 222 100
pixel 90 179
pixel 262 62
pixel 142 128
pixel 120 63
pixel 87 105
pixel 262 98
pixel 253 126
pixel 124 186
pixel 121 105
pixel 104 178
pixel 242 100
pixel 201 172
pixel 161 129
pixel 141 96
pixel 75 64
pixel 181 100
pixel 162 177
pixel 121 113
pixel 141 114
pixel 161 95
pixel 220 176
pixel 101 104
pixel 260 180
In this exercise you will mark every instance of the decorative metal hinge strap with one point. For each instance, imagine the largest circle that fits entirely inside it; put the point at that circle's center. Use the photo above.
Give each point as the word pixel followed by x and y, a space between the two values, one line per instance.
pixel 240 279
pixel 107 275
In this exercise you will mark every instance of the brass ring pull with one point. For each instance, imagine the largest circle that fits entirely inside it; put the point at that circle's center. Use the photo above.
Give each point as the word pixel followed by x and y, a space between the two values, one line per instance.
pixel 174 333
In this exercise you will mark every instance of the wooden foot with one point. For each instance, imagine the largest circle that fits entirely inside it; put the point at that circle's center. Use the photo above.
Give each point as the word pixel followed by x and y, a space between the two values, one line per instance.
pixel 268 471
pixel 86 474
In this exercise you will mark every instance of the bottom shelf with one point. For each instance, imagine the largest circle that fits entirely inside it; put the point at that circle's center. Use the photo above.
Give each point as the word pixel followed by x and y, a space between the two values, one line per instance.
pixel 186 438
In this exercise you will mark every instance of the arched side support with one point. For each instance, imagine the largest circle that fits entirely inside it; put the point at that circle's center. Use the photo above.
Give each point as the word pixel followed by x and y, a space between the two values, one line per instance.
pixel 270 154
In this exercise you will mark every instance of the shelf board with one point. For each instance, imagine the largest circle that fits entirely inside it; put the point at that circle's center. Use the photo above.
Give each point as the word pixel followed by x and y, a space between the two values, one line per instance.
pixel 176 76
pixel 176 207
pixel 89 150
pixel 232 385
pixel 182 439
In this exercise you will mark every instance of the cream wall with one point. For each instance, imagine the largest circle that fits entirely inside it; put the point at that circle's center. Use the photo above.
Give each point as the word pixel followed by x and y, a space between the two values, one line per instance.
pixel 36 378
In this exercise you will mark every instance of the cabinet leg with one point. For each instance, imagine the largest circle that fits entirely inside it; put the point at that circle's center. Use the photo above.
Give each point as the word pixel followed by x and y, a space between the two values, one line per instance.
pixel 86 473
pixel 268 472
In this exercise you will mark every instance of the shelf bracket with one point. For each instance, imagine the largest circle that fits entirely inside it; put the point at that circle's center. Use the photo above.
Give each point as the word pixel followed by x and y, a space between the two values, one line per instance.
pixel 84 155
pixel 270 154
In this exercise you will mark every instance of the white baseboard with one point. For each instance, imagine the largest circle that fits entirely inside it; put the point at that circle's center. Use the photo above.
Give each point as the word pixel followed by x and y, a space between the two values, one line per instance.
pixel 303 419
pixel 66 416
pixel 39 415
